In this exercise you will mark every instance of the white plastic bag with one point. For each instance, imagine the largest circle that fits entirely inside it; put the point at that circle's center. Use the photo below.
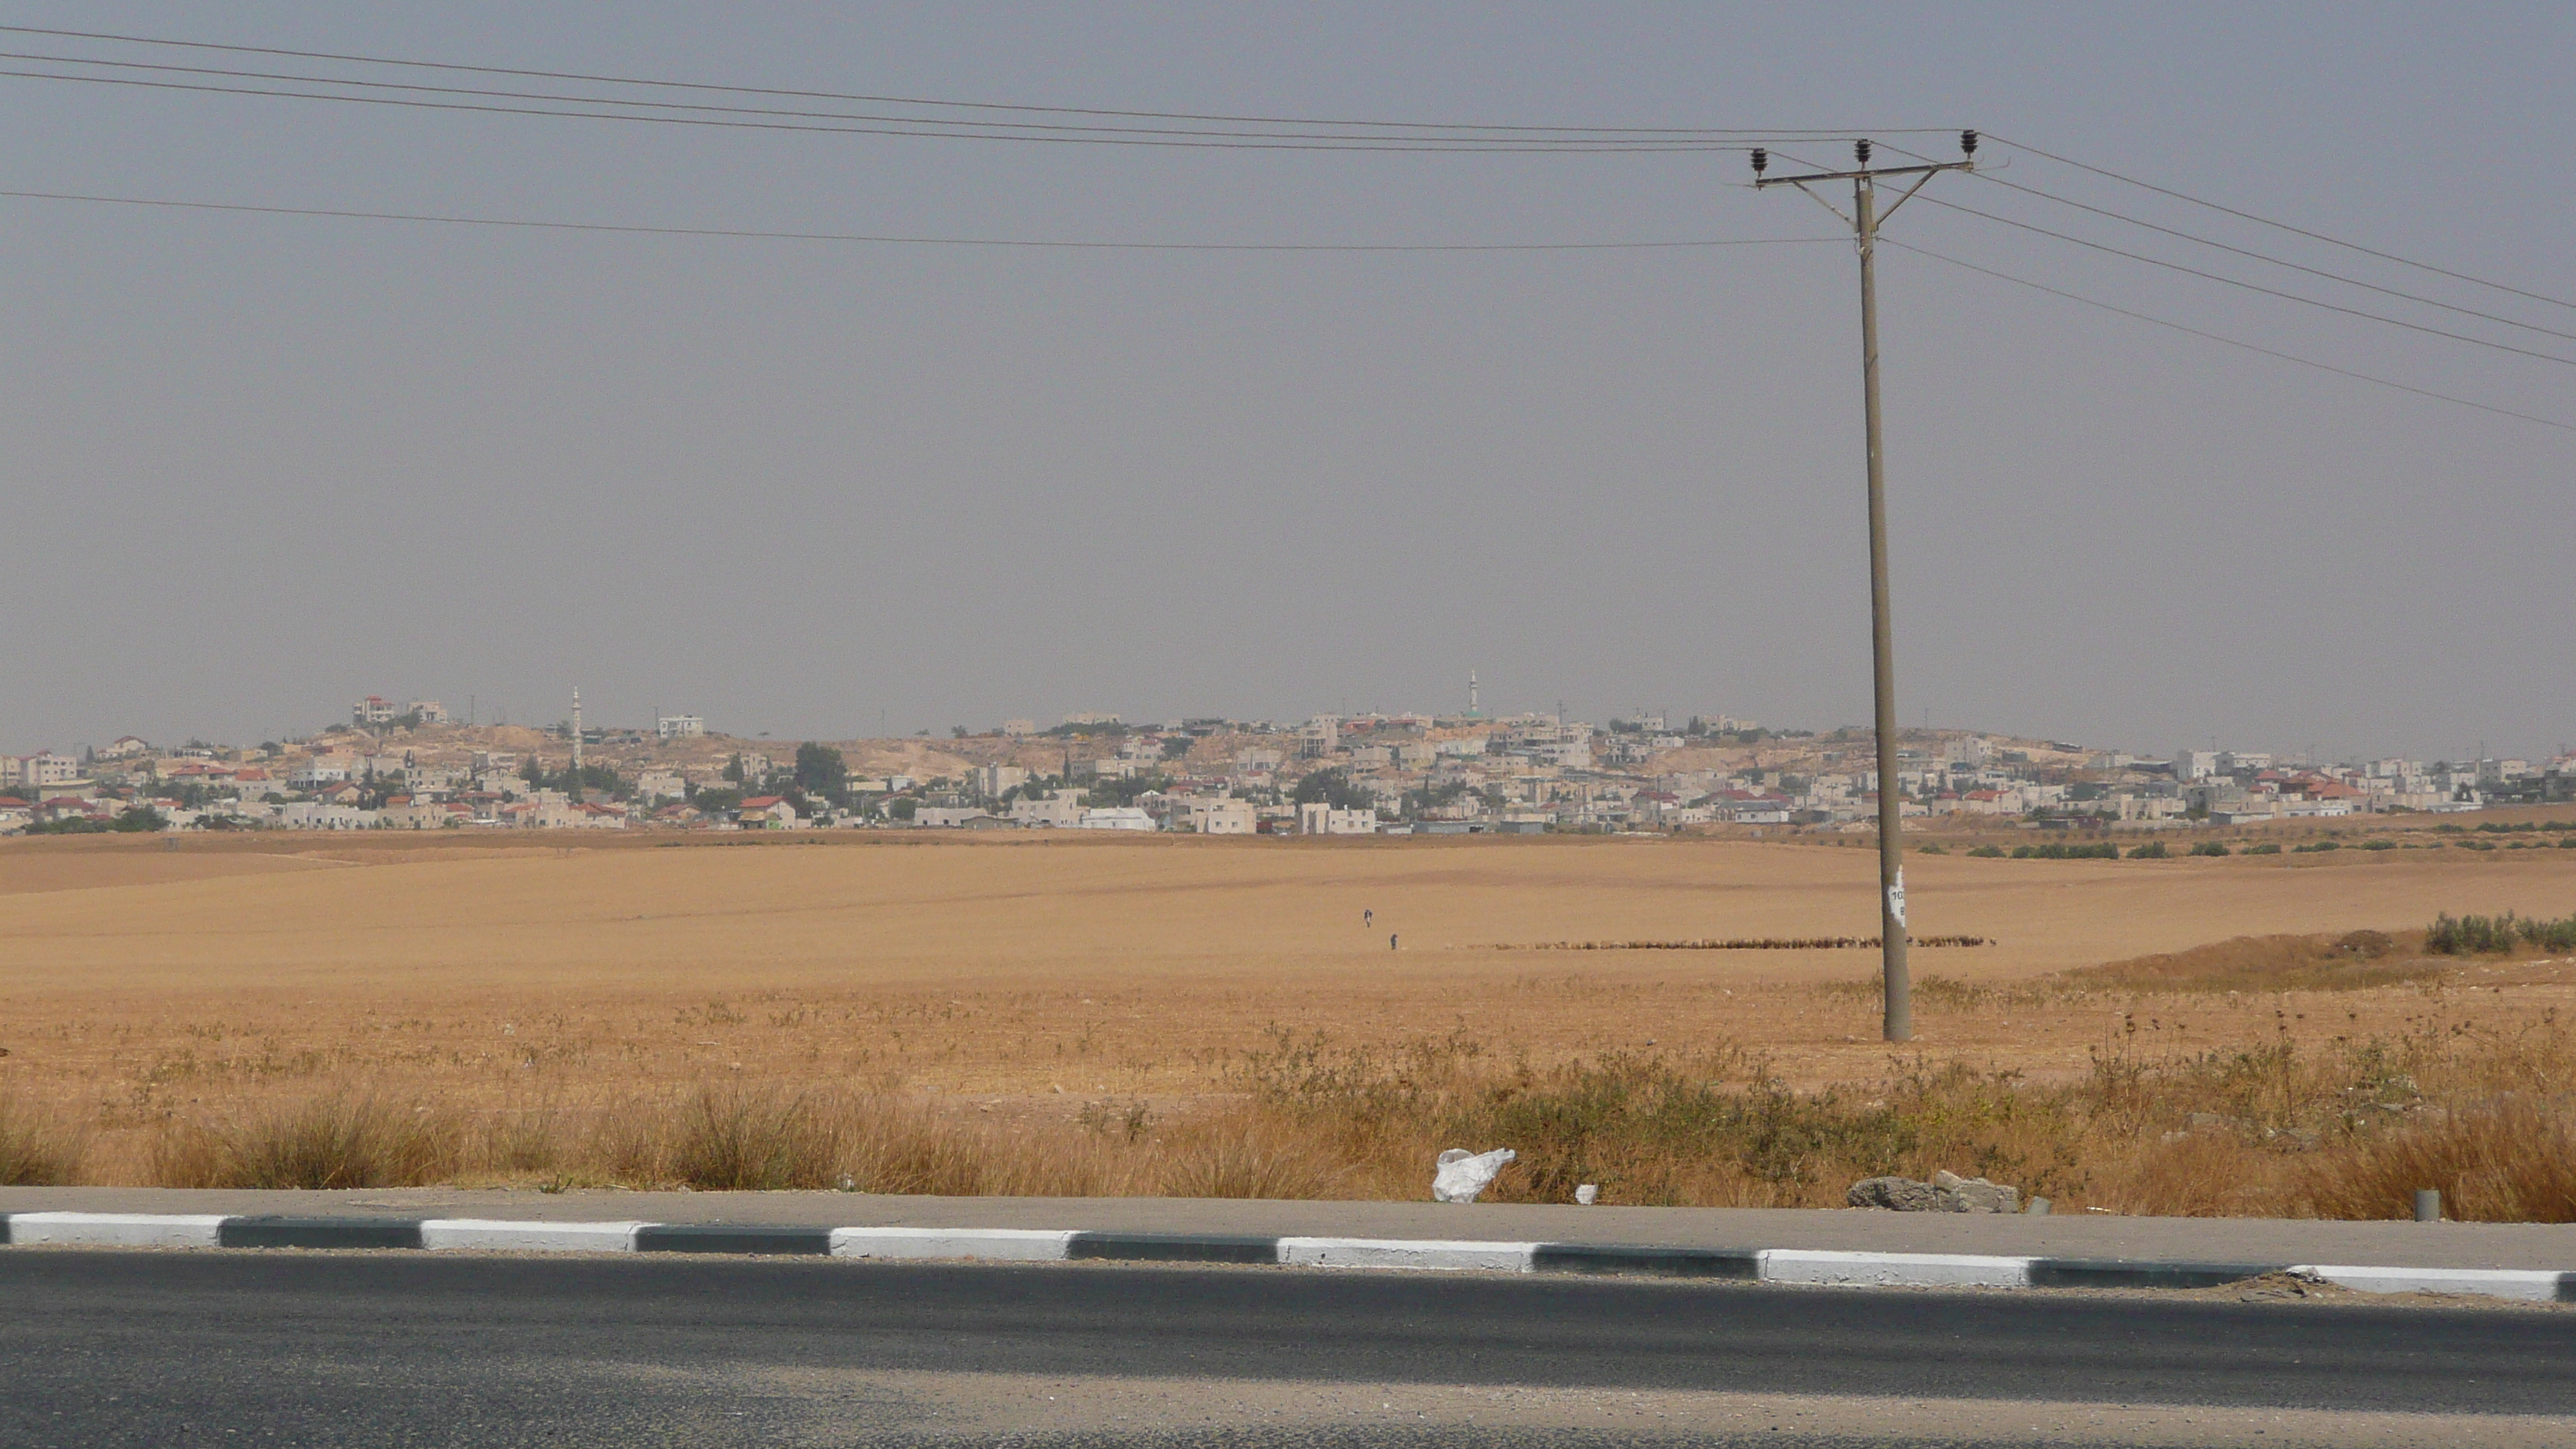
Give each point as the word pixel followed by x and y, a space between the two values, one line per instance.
pixel 1463 1174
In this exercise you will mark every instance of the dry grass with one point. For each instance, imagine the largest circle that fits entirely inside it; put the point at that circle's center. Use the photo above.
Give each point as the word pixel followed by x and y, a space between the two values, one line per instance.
pixel 2504 1161
pixel 335 1140
pixel 39 1145
pixel 2349 961
pixel 2350 1130
pixel 1088 1018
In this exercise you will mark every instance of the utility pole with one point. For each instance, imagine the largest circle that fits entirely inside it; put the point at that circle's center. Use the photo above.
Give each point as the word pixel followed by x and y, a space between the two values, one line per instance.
pixel 1864 220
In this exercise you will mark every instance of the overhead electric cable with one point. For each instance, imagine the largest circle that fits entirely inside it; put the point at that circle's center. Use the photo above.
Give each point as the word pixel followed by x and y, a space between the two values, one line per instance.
pixel 2253 286
pixel 2253 255
pixel 2281 225
pixel 927 125
pixel 1244 141
pixel 2226 340
pixel 2277 261
pixel 893 239
pixel 1683 132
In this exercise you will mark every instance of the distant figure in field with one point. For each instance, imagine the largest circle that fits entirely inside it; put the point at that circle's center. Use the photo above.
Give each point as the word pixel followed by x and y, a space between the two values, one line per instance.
pixel 1390 940
pixel 1368 918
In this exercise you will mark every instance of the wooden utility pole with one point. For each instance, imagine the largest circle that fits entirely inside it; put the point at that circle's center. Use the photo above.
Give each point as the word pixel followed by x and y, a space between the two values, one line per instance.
pixel 1898 1021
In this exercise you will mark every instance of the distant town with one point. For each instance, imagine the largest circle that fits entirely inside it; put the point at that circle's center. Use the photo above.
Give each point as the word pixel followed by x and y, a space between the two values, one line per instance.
pixel 409 765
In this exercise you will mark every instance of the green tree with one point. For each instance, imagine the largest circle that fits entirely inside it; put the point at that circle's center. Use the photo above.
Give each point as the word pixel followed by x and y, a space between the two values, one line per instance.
pixel 1334 788
pixel 820 770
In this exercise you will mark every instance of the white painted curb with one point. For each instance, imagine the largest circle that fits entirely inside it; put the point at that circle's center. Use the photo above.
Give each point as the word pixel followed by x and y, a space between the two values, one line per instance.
pixel 1406 1253
pixel 1892 1270
pixel 1023 1245
pixel 118 1230
pixel 2522 1283
pixel 992 1245
pixel 490 1235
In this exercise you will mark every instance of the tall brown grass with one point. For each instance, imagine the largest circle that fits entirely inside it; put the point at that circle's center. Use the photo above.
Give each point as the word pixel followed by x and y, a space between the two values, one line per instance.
pixel 2350 1128
pixel 38 1146
pixel 332 1141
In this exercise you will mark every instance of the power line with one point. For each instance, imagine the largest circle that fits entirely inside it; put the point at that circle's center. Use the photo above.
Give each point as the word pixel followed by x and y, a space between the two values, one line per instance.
pixel 925 125
pixel 2282 262
pixel 1686 132
pixel 2254 286
pixel 2227 341
pixel 2259 256
pixel 2283 225
pixel 738 233
pixel 1245 141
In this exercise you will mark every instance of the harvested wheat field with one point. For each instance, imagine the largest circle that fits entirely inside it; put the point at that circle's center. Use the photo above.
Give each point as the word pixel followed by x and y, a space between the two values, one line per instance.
pixel 1228 1017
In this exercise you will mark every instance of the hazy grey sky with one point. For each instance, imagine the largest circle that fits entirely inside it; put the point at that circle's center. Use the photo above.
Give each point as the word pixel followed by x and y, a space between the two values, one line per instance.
pixel 260 466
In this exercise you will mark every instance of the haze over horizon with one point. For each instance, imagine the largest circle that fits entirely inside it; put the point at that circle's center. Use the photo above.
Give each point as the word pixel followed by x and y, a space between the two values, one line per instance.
pixel 266 464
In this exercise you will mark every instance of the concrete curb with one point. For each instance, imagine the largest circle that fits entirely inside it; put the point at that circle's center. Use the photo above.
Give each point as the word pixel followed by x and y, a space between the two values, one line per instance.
pixel 1022 1245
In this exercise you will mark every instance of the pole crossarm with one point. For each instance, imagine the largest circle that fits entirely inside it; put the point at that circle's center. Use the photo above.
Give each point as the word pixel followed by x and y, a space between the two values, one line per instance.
pixel 1868 174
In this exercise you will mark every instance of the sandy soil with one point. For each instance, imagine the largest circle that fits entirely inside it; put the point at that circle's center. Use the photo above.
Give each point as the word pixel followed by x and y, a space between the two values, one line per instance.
pixel 140 977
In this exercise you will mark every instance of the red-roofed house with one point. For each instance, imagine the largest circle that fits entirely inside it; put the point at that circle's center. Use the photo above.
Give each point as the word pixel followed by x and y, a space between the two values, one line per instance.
pixel 766 812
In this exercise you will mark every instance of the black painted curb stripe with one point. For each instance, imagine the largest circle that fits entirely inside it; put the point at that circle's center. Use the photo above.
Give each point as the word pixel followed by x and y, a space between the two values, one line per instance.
pixel 731 1238
pixel 1612 1258
pixel 2567 1287
pixel 4 1230
pixel 2141 1273
pixel 1171 1248
pixel 290 1232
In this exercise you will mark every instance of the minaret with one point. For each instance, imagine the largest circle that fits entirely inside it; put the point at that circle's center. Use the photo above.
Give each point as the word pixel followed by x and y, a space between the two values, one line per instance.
pixel 1471 692
pixel 576 736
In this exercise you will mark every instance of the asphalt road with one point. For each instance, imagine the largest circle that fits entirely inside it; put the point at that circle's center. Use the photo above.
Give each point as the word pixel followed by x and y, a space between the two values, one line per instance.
pixel 283 1348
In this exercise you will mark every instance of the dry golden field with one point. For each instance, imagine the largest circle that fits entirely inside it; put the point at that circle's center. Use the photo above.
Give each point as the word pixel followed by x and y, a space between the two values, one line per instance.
pixel 1018 981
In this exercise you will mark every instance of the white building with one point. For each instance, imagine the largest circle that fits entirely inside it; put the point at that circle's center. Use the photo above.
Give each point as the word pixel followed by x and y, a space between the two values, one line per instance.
pixel 680 727
pixel 314 815
pixel 948 817
pixel 992 782
pixel 1116 817
pixel 42 769
pixel 320 770
pixel 1220 816
pixel 1320 818
pixel 1061 809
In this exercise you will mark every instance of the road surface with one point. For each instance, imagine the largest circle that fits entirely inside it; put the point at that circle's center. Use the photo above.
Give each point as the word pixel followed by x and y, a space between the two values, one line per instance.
pixel 290 1348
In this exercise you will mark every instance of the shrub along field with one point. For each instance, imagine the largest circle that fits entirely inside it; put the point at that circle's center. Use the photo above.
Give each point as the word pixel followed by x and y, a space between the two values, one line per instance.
pixel 2311 1033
